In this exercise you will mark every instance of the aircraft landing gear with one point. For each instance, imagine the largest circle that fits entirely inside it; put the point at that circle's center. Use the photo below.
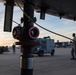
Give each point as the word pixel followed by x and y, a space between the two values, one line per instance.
pixel 26 36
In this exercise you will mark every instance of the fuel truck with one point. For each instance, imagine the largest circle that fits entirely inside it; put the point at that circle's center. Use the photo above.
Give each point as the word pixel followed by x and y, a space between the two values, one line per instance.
pixel 47 46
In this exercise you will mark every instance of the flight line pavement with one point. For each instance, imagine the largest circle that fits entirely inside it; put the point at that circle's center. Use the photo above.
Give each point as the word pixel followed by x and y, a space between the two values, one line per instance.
pixel 59 64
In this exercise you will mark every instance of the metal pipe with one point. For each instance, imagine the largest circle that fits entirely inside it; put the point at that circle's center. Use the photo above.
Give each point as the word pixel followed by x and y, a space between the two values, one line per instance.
pixel 26 51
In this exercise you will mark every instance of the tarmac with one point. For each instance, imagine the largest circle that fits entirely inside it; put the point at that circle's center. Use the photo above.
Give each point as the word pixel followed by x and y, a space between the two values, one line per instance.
pixel 59 64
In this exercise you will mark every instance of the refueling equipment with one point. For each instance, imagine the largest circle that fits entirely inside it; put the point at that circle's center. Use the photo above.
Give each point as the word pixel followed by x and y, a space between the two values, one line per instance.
pixel 17 32
pixel 33 32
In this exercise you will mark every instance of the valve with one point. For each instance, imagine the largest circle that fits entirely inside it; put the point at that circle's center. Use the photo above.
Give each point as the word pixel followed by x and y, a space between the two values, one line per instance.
pixel 17 32
pixel 33 32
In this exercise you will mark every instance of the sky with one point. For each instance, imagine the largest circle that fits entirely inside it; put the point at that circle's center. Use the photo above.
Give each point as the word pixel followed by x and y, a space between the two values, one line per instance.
pixel 62 26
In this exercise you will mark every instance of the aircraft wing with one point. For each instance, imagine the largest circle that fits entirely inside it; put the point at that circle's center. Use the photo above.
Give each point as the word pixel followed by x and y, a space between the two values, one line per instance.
pixel 60 8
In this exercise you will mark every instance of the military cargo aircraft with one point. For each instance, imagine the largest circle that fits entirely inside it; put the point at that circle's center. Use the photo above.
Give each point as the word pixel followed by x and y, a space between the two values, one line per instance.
pixel 28 33
pixel 61 8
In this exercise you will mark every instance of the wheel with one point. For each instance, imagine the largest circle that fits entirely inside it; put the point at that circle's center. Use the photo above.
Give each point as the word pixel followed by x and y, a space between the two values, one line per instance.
pixel 1 51
pixel 52 53
pixel 40 53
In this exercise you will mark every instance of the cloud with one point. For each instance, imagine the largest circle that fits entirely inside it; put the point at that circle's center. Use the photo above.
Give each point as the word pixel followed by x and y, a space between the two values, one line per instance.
pixel 68 22
pixel 61 26
pixel 6 37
